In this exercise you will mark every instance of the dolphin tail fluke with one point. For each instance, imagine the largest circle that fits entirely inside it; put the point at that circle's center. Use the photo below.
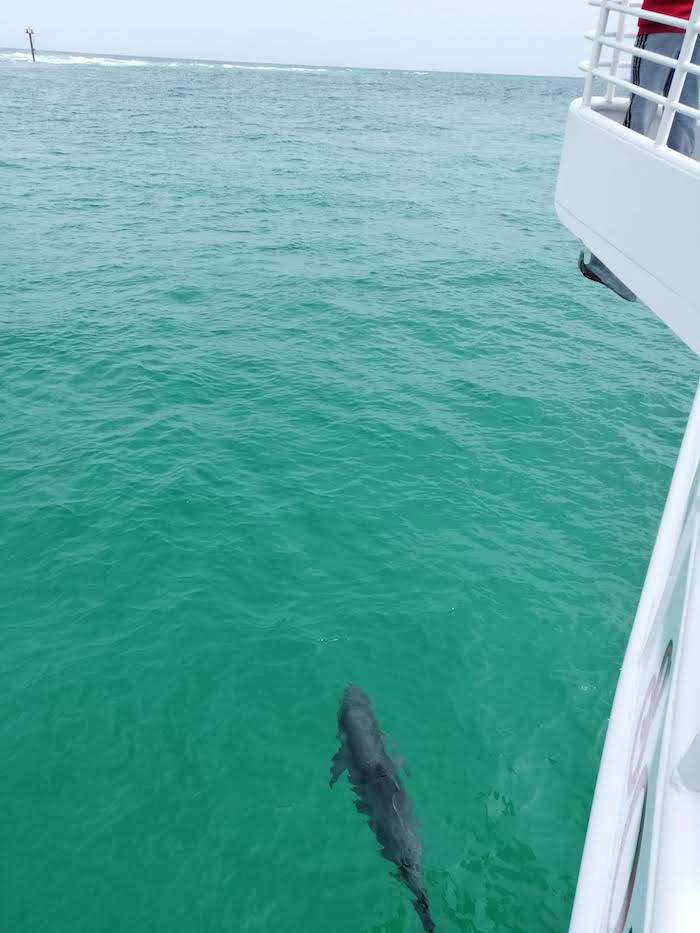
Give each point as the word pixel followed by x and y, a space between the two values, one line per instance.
pixel 338 765
pixel 413 882
pixel 423 911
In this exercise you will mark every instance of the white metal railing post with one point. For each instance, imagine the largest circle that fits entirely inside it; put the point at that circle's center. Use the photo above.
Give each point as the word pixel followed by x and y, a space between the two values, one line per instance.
pixel 597 48
pixel 678 82
pixel 617 40
pixel 614 64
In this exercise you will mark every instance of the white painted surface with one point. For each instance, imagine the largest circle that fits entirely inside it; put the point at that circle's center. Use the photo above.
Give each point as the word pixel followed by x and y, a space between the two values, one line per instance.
pixel 636 205
pixel 673 898
pixel 655 716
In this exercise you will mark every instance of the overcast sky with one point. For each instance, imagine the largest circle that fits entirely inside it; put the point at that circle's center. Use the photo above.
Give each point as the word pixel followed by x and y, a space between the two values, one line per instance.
pixel 506 36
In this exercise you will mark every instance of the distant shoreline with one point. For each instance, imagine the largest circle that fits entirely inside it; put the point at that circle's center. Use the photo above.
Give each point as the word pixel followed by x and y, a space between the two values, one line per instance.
pixel 213 62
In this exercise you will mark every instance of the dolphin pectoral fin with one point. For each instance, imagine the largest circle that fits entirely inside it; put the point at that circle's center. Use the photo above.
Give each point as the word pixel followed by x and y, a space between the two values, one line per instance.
pixel 397 758
pixel 338 765
pixel 361 807
pixel 401 764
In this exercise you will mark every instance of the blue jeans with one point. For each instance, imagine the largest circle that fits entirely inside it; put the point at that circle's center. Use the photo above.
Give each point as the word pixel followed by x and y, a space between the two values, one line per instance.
pixel 657 78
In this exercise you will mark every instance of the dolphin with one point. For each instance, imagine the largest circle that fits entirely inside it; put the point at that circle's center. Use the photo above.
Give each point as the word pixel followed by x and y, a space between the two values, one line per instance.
pixel 381 796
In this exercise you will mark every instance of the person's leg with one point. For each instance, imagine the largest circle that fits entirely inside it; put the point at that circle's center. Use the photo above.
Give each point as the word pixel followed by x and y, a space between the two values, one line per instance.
pixel 684 128
pixel 657 78
pixel 651 76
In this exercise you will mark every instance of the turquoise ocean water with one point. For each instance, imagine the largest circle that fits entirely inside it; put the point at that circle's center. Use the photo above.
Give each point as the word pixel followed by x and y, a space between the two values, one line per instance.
pixel 300 385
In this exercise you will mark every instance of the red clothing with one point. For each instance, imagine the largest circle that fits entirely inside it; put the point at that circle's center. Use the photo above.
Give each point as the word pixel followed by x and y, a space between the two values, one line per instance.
pixel 679 8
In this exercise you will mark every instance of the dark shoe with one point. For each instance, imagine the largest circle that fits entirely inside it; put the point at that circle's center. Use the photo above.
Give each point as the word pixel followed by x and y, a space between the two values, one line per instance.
pixel 597 271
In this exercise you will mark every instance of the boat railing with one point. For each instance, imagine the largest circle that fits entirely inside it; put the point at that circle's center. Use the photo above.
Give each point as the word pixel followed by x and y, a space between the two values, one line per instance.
pixel 614 35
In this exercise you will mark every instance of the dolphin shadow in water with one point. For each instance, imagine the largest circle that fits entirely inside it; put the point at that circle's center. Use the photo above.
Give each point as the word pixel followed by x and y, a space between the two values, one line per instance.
pixel 381 796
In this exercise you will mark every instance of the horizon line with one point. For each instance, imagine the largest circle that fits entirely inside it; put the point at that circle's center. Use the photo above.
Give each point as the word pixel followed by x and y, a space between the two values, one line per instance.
pixel 223 61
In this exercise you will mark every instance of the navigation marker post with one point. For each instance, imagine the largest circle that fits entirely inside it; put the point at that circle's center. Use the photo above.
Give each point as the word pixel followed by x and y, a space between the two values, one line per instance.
pixel 30 33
